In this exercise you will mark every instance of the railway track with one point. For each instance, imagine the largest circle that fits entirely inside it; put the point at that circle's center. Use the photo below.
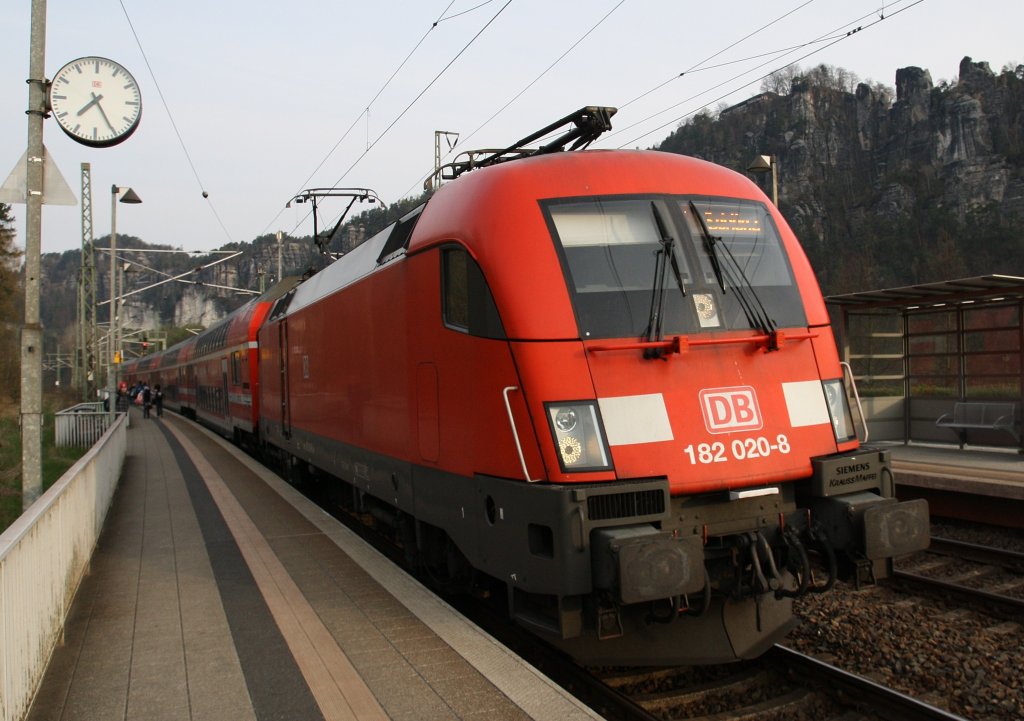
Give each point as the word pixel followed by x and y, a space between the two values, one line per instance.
pixel 783 684
pixel 984 575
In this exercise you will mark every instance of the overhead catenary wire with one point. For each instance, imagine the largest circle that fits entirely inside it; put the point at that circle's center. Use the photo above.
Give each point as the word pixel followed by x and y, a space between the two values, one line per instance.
pixel 829 37
pixel 423 92
pixel 174 125
pixel 833 39
pixel 420 94
pixel 443 17
pixel 463 141
pixel 701 65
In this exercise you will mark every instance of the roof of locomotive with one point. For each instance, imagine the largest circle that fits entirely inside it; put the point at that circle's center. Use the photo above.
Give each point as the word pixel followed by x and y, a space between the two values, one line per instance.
pixel 495 212
pixel 493 206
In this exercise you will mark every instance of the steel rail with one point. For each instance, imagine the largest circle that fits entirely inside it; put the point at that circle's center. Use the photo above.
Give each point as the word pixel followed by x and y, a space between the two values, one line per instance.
pixel 1011 605
pixel 991 555
pixel 886 702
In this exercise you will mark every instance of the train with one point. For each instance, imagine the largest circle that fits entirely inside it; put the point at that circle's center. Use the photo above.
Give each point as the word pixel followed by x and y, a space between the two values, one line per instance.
pixel 601 384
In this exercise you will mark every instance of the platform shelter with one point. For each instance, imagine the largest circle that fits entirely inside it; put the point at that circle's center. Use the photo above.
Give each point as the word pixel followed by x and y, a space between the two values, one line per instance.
pixel 951 352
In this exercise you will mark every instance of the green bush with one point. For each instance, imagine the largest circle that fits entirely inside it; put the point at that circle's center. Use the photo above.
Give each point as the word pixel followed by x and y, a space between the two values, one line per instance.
pixel 55 460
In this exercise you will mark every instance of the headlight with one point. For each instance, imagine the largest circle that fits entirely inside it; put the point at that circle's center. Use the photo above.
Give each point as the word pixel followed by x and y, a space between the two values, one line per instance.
pixel 579 438
pixel 839 410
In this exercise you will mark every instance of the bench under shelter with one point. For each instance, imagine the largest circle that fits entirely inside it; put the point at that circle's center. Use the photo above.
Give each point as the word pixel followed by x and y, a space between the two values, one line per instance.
pixel 937 362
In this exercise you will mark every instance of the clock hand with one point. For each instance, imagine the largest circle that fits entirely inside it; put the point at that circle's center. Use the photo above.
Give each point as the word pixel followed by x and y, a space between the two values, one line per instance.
pixel 105 118
pixel 95 101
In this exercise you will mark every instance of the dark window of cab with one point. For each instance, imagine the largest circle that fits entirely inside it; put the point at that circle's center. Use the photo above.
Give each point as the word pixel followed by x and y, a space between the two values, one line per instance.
pixel 467 303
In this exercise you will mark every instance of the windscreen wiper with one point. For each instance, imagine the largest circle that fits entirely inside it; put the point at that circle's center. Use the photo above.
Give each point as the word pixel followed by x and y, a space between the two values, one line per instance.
pixel 754 310
pixel 665 258
pixel 710 244
pixel 669 244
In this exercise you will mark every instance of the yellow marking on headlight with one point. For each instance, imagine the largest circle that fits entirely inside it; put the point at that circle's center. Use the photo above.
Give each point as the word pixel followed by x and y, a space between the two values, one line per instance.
pixel 571 450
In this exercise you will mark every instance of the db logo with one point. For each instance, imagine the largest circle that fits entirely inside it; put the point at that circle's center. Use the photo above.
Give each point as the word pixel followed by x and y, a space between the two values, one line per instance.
pixel 730 409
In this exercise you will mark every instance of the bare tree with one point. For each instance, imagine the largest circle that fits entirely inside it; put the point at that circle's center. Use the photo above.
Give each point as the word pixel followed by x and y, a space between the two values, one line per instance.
pixel 10 306
pixel 781 81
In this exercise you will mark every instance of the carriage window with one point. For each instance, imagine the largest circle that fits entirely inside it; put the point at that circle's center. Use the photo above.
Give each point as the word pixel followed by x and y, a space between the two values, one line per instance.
pixel 468 305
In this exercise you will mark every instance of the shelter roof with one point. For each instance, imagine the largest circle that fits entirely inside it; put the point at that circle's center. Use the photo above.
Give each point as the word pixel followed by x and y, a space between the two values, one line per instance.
pixel 925 296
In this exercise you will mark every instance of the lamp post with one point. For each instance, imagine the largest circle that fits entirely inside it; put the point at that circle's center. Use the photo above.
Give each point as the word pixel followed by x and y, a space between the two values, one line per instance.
pixel 765 164
pixel 127 195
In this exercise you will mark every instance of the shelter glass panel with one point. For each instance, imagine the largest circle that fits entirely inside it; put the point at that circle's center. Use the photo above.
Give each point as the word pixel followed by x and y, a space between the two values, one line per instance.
pixel 1000 316
pixel 932 322
pixel 992 340
pixel 934 365
pixel 993 387
pixel 934 386
pixel 933 343
pixel 981 364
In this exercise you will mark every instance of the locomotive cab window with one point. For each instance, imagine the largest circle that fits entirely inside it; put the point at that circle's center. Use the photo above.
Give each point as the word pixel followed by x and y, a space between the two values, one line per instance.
pixel 617 252
pixel 468 305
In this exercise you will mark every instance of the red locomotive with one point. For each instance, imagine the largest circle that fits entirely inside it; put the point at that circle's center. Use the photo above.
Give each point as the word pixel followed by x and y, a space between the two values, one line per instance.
pixel 605 380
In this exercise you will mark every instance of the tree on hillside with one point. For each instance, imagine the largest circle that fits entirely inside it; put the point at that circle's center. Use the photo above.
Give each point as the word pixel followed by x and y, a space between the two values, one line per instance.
pixel 10 306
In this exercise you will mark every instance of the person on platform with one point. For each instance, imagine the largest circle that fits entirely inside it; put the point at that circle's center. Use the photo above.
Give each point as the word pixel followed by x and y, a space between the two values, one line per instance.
pixel 147 400
pixel 158 400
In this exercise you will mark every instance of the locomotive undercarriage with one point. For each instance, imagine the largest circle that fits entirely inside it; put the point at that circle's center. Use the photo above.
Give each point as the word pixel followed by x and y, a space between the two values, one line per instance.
pixel 622 572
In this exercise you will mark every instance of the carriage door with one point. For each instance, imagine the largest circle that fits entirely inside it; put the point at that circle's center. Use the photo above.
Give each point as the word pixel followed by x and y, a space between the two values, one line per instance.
pixel 286 416
pixel 226 407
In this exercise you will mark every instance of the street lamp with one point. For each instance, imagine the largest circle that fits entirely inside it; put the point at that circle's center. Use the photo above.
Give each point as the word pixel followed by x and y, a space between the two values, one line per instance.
pixel 765 164
pixel 127 195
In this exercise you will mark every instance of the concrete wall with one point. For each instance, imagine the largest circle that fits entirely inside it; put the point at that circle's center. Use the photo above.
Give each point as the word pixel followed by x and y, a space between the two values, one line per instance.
pixel 43 557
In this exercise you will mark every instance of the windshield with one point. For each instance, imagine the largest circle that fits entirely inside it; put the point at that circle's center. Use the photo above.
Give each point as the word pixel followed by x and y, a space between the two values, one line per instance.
pixel 610 251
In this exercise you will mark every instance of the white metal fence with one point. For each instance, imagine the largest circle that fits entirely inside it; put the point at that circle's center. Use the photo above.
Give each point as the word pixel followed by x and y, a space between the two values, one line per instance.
pixel 43 557
pixel 80 425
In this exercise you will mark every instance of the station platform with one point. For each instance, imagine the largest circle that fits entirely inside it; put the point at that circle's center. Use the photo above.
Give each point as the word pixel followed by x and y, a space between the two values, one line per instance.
pixel 218 592
pixel 980 484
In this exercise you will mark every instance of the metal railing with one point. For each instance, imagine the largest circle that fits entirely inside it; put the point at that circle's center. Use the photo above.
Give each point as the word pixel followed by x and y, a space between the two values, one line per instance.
pixel 81 425
pixel 43 556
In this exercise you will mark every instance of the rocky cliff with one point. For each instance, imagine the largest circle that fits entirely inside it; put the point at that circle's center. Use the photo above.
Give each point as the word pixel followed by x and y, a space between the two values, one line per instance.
pixel 886 191
pixel 166 290
pixel 177 290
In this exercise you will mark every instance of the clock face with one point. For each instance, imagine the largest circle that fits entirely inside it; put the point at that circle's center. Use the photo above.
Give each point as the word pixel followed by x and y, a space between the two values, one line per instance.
pixel 96 101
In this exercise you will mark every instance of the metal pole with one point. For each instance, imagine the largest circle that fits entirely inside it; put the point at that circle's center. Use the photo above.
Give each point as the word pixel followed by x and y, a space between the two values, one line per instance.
pixel 31 333
pixel 279 256
pixel 775 182
pixel 115 346
pixel 87 291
